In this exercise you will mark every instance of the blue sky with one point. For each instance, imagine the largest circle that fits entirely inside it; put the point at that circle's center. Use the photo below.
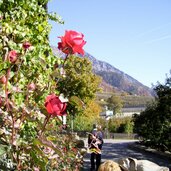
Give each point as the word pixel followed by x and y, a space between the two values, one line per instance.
pixel 132 35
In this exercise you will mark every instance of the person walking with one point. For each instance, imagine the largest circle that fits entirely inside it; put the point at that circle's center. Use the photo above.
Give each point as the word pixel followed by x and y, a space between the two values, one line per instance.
pixel 95 143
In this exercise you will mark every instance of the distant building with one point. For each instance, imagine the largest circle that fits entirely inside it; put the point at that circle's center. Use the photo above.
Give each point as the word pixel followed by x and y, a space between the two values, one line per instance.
pixel 130 111
pixel 106 113
pixel 124 112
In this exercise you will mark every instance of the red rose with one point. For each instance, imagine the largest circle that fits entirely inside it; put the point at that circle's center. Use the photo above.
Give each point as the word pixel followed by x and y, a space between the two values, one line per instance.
pixel 72 42
pixel 26 45
pixel 54 106
pixel 12 56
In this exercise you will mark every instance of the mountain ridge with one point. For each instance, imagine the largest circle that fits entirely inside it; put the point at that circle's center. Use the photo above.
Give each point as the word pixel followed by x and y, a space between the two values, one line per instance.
pixel 113 79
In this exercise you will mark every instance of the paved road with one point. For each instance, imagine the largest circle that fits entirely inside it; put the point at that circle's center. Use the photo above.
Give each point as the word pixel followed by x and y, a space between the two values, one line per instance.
pixel 113 149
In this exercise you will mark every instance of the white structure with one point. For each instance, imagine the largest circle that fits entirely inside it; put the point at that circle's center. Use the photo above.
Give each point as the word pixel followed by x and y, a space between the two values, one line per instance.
pixel 130 111
pixel 107 113
pixel 125 112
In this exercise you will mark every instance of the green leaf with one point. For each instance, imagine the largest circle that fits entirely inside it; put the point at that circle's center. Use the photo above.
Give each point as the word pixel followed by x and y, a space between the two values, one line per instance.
pixel 74 100
pixel 41 153
pixel 38 161
pixel 3 149
pixel 55 73
pixel 40 28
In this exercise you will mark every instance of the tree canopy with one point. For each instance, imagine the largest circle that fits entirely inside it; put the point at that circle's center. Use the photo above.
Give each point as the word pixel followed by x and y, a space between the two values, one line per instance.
pixel 115 103
pixel 153 124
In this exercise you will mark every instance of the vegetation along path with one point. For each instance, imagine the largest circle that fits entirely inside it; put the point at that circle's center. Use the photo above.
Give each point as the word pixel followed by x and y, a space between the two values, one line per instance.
pixel 113 149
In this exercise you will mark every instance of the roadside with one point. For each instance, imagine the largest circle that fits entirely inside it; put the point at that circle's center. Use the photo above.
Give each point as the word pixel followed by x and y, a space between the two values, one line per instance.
pixel 136 146
pixel 113 149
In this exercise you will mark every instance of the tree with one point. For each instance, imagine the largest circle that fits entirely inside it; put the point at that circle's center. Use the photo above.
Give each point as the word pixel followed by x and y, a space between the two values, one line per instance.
pixel 79 81
pixel 115 103
pixel 89 117
pixel 153 125
pixel 83 83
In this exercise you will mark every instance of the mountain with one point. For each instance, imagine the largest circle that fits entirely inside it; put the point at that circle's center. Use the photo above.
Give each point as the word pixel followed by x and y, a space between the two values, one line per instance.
pixel 114 80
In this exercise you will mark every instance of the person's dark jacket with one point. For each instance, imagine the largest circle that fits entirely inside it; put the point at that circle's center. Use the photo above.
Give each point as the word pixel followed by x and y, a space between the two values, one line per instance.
pixel 98 135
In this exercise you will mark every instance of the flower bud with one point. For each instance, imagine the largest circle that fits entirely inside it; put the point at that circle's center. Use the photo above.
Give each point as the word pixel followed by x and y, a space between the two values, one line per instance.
pixel 31 86
pixel 3 79
pixel 26 45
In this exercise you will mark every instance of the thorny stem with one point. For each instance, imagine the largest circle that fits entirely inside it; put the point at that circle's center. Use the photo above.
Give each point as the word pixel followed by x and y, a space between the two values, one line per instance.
pixel 17 75
pixel 6 88
pixel 65 60
pixel 8 106
pixel 45 123
pixel 63 65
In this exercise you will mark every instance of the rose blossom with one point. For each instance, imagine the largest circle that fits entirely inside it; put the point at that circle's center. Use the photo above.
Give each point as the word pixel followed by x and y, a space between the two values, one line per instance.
pixel 55 106
pixel 72 42
pixel 12 56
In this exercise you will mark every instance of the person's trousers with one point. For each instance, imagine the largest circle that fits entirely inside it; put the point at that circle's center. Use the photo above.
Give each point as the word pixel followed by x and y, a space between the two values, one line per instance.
pixel 96 157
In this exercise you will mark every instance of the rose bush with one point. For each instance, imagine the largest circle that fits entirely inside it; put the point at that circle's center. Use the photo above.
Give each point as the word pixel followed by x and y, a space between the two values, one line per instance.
pixel 32 81
pixel 29 72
